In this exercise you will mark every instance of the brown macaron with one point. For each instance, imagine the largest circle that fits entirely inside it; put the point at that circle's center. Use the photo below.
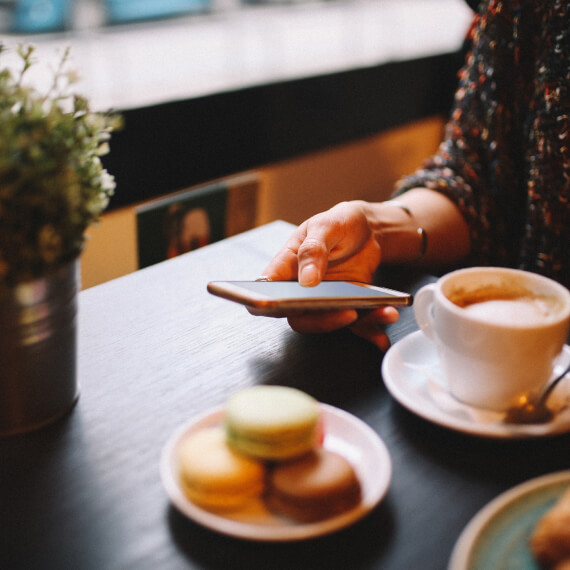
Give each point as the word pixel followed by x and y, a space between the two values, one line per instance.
pixel 319 485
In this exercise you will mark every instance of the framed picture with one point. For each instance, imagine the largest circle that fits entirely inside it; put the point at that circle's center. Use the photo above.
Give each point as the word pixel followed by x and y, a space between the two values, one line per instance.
pixel 195 217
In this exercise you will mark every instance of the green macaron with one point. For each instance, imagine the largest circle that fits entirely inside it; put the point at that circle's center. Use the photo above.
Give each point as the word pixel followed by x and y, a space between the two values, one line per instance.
pixel 272 422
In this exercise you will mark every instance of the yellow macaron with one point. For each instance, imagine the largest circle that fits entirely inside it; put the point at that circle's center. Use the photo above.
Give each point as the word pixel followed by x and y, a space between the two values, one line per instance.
pixel 213 475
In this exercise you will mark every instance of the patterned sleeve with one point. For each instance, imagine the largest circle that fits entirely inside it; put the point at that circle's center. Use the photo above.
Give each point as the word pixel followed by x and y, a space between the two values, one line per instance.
pixel 478 164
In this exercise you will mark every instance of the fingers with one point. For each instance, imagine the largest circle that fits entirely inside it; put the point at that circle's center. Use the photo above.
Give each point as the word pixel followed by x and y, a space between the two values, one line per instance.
pixel 284 266
pixel 371 326
pixel 256 312
pixel 322 235
pixel 368 324
pixel 305 255
pixel 376 336
pixel 382 316
pixel 321 321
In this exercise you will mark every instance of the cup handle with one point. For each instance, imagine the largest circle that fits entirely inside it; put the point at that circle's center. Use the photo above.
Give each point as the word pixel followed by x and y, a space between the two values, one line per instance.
pixel 423 309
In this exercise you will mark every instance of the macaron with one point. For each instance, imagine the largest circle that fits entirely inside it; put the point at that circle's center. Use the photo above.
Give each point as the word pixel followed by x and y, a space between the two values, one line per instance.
pixel 272 422
pixel 216 477
pixel 317 486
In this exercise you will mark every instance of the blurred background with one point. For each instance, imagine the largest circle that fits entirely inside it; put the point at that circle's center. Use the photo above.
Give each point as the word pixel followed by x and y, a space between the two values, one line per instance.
pixel 139 52
pixel 316 101
pixel 41 16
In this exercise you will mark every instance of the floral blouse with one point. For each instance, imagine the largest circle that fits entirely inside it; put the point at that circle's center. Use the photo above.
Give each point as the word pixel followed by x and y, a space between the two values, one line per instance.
pixel 505 158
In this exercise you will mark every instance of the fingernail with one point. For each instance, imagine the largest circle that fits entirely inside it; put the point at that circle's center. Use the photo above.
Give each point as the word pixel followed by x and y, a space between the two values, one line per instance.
pixel 308 275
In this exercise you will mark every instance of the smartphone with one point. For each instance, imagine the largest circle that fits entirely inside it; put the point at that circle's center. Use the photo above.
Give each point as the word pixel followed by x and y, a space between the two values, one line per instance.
pixel 289 295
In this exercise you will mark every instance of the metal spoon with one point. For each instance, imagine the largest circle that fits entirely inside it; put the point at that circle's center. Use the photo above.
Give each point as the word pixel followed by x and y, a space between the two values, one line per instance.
pixel 536 412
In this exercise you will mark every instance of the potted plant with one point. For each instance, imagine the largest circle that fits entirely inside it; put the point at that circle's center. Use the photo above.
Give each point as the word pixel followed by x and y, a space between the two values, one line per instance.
pixel 52 187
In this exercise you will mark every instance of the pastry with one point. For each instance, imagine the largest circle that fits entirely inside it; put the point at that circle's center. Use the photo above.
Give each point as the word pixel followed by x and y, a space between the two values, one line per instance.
pixel 550 540
pixel 319 485
pixel 213 475
pixel 272 422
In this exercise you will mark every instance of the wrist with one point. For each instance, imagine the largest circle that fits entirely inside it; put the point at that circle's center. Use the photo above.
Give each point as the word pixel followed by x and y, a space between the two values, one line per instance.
pixel 400 236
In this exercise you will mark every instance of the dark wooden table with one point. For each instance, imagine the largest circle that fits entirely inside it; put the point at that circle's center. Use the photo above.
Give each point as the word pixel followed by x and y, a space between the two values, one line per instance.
pixel 156 349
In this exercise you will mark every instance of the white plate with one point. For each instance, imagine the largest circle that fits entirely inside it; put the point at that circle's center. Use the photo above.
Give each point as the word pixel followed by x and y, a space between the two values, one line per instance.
pixel 344 434
pixel 412 375
pixel 497 536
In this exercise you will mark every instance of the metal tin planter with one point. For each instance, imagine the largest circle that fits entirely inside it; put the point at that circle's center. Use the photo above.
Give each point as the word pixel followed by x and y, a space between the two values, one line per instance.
pixel 38 350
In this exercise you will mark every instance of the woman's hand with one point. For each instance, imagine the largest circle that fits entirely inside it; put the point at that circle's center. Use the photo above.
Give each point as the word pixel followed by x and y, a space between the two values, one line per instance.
pixel 334 245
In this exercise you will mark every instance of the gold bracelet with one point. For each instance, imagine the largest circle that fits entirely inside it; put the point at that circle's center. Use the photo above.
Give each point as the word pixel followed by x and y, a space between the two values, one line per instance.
pixel 423 243
pixel 422 234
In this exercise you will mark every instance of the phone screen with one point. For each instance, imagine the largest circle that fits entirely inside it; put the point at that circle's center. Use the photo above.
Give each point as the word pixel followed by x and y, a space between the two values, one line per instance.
pixel 289 294
pixel 325 289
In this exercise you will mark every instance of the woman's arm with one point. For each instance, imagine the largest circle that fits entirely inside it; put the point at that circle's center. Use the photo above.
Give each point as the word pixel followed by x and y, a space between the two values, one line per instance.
pixel 421 226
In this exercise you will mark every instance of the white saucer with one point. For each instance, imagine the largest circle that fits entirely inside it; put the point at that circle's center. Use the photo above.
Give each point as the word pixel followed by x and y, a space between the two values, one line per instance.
pixel 498 535
pixel 412 375
pixel 344 434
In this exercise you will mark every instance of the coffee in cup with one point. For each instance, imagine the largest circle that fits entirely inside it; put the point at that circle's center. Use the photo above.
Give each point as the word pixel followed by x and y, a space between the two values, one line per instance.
pixel 498 332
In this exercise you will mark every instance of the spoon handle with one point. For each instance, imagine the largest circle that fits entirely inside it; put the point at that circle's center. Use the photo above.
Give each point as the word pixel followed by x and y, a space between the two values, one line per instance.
pixel 554 382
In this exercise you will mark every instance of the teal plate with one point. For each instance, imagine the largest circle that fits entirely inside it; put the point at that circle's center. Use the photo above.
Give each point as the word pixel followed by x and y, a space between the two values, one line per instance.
pixel 497 536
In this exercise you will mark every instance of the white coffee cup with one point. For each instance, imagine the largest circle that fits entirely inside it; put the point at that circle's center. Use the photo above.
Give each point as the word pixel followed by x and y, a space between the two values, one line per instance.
pixel 498 332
